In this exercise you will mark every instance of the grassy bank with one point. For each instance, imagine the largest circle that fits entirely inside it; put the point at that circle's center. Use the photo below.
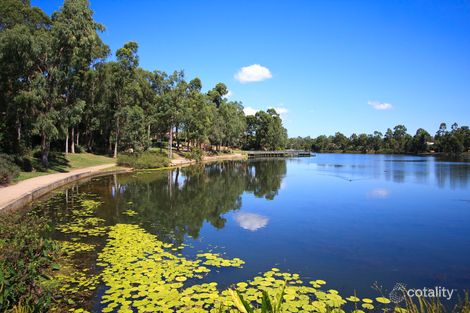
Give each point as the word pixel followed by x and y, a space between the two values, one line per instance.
pixel 60 163
pixel 144 160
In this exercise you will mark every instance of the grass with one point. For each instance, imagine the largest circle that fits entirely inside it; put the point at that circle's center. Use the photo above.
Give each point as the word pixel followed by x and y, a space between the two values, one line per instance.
pixel 59 163
pixel 144 160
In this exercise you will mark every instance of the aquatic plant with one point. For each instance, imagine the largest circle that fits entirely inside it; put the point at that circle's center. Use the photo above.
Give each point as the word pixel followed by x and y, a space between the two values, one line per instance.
pixel 130 212
pixel 147 275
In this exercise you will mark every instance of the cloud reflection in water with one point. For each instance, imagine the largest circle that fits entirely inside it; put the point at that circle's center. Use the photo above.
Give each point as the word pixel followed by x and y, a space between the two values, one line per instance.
pixel 251 221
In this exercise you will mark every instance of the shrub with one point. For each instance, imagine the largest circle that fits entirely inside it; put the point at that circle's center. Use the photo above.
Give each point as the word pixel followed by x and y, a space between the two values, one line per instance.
pixel 195 154
pixel 25 259
pixel 8 169
pixel 144 160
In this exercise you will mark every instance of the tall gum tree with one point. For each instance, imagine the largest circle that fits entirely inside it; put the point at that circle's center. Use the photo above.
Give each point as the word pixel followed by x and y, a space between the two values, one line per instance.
pixel 78 46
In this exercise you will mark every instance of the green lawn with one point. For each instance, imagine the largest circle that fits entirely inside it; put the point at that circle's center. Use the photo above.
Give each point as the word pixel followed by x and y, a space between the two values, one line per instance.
pixel 59 163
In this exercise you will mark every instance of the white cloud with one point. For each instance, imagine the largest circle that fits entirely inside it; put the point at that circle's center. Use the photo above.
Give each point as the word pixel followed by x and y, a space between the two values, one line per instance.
pixel 253 73
pixel 250 111
pixel 380 105
pixel 229 94
pixel 251 221
pixel 281 110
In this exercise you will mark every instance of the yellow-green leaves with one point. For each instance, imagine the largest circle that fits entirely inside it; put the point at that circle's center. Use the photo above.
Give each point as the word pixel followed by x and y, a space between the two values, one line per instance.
pixel 129 212
pixel 214 259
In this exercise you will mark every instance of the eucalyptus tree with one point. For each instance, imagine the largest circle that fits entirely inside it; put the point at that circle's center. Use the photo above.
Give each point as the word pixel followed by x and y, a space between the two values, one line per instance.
pixel 198 114
pixel 122 79
pixel 270 134
pixel 22 31
pixel 78 46
pixel 171 104
pixel 234 123
pixel 216 94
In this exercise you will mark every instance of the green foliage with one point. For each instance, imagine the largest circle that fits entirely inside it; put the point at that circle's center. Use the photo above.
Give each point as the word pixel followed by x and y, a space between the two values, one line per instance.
pixel 195 154
pixel 57 90
pixel 268 304
pixel 144 160
pixel 264 131
pixel 394 141
pixel 8 169
pixel 25 260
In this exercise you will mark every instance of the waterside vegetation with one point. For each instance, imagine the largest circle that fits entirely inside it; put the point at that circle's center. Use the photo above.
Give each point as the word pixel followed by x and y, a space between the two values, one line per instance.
pixel 59 92
pixel 455 140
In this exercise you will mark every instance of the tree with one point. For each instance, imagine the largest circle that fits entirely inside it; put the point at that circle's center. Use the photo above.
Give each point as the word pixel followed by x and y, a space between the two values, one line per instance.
pixel 198 115
pixel 77 45
pixel 270 134
pixel 217 94
pixel 419 143
pixel 23 31
pixel 171 103
pixel 122 77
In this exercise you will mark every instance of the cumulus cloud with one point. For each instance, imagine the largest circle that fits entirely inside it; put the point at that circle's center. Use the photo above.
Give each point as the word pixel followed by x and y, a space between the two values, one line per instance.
pixel 251 221
pixel 253 73
pixel 380 105
pixel 250 111
pixel 281 110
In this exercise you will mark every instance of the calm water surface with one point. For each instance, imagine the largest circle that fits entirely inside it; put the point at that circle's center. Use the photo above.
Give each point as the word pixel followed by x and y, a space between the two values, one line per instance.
pixel 351 220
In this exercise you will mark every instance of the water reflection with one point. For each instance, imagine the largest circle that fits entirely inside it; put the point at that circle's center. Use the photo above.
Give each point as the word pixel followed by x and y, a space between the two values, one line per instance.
pixel 348 219
pixel 443 172
pixel 177 203
pixel 251 221
pixel 379 193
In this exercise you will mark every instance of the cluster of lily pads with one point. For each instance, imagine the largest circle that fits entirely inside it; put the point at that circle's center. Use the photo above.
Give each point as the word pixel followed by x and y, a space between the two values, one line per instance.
pixel 144 274
pixel 71 248
pixel 83 223
pixel 130 212
pixel 214 259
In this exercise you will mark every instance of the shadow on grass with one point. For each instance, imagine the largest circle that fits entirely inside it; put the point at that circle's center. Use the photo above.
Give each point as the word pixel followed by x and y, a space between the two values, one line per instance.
pixel 57 163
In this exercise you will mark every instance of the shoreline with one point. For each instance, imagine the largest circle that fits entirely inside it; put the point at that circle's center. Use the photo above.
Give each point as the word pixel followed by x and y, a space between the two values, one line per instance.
pixel 16 196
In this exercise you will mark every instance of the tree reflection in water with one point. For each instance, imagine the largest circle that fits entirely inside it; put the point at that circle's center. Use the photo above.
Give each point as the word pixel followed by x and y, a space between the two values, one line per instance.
pixel 172 204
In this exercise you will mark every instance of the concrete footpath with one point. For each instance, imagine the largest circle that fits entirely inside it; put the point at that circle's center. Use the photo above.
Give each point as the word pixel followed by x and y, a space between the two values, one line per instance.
pixel 24 192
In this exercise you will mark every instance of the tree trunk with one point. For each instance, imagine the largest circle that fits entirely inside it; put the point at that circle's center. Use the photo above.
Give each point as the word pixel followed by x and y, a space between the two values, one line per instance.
pixel 177 140
pixel 73 140
pixel 170 143
pixel 78 136
pixel 117 140
pixel 67 141
pixel 18 132
pixel 44 150
pixel 148 133
pixel 110 144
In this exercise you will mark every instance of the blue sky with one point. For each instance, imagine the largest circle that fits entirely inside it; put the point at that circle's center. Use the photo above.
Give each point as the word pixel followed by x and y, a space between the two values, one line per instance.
pixel 349 66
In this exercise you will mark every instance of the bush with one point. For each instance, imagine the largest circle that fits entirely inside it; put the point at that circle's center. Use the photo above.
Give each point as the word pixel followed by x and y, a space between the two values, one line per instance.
pixel 8 169
pixel 144 160
pixel 195 154
pixel 25 259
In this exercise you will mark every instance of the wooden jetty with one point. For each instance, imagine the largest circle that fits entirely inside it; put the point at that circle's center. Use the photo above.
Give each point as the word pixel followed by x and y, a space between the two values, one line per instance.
pixel 278 154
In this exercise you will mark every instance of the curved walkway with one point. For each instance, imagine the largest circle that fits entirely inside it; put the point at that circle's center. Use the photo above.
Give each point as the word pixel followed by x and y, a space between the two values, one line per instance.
pixel 180 161
pixel 22 193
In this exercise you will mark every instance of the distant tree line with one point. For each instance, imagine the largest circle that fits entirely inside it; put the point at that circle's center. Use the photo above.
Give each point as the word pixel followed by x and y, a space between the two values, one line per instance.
pixel 455 140
pixel 58 90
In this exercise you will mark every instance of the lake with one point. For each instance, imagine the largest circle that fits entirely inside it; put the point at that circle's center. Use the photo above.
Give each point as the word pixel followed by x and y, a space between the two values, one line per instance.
pixel 352 220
